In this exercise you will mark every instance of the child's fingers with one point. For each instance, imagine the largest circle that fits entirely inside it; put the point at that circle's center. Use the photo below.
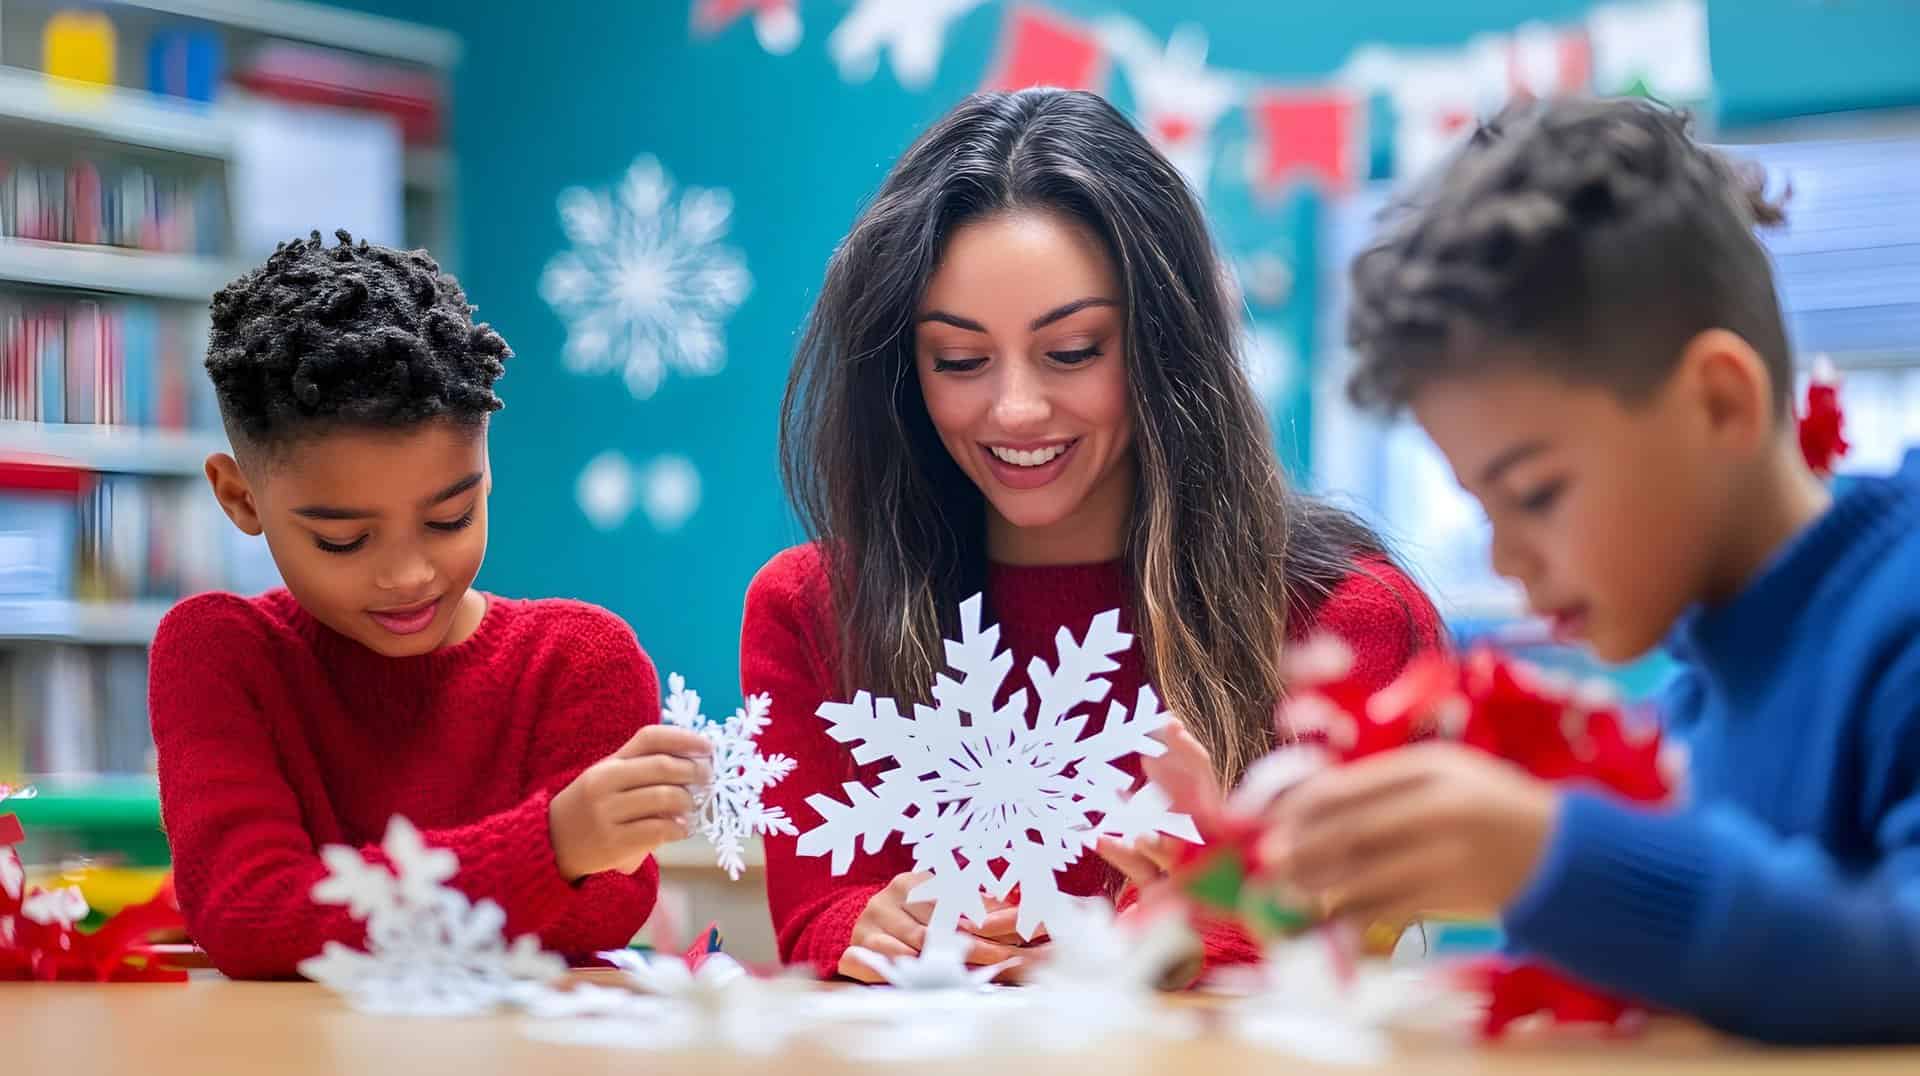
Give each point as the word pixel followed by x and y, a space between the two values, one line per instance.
pixel 660 770
pixel 1391 884
pixel 653 801
pixel 898 925
pixel 651 833
pixel 665 740
pixel 1340 790
pixel 885 945
pixel 1329 851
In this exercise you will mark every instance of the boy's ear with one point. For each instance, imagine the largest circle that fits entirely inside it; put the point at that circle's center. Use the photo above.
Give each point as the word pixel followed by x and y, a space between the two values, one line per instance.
pixel 232 490
pixel 1732 387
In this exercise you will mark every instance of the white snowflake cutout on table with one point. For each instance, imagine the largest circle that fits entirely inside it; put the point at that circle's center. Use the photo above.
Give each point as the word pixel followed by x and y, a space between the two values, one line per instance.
pixel 976 783
pixel 940 965
pixel 914 33
pixel 669 976
pixel 731 809
pixel 1307 1006
pixel 648 285
pixel 740 1014
pixel 1100 978
pixel 430 951
pixel 1099 952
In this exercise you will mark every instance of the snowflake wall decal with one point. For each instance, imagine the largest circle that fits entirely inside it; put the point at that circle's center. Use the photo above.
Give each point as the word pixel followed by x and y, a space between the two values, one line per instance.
pixel 977 784
pixel 730 809
pixel 648 285
pixel 430 952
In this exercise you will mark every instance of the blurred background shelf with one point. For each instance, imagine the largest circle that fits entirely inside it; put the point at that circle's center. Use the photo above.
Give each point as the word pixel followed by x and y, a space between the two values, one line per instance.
pixel 375 35
pixel 115 449
pixel 183 277
pixel 123 116
pixel 82 622
pixel 150 152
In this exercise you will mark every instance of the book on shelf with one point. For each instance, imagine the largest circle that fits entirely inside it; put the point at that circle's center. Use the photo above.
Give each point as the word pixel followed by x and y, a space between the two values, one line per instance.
pixel 112 203
pixel 102 362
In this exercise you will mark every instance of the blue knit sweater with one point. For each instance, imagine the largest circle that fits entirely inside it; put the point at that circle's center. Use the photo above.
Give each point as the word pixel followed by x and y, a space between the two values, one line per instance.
pixel 1783 902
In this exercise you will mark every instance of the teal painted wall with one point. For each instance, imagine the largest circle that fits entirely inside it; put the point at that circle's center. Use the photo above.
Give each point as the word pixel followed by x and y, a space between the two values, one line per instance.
pixel 567 93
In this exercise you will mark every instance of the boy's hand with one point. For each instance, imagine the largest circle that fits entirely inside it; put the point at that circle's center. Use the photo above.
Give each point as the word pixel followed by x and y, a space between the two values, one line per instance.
pixel 624 806
pixel 1429 829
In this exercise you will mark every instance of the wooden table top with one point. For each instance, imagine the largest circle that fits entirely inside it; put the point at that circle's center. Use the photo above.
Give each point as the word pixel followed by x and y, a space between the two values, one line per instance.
pixel 212 1027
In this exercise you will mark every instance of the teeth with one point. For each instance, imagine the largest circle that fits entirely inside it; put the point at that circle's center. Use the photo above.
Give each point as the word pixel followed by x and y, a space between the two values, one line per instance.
pixel 1026 459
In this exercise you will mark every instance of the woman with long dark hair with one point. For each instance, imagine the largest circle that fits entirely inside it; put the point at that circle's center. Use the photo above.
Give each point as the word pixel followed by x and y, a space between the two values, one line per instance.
pixel 1022 379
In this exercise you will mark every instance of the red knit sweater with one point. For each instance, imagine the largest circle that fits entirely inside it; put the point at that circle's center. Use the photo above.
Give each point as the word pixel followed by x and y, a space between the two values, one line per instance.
pixel 787 649
pixel 277 735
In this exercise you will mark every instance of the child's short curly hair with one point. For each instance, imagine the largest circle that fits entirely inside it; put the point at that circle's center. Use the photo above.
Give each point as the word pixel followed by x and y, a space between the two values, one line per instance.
pixel 354 335
pixel 1590 239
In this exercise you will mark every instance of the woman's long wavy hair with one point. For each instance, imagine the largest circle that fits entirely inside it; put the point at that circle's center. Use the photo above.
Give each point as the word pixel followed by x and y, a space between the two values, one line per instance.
pixel 1221 550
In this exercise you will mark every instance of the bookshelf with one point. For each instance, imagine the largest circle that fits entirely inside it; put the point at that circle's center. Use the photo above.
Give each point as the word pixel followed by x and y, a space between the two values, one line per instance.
pixel 181 278
pixel 125 117
pixel 119 450
pixel 123 209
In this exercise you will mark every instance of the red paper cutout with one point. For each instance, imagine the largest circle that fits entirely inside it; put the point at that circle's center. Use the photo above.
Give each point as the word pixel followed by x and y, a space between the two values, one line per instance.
pixel 1306 134
pixel 1518 990
pixel 1821 438
pixel 1039 48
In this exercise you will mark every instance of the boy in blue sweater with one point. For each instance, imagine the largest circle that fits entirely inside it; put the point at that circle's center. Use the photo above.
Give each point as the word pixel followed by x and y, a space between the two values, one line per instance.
pixel 1578 313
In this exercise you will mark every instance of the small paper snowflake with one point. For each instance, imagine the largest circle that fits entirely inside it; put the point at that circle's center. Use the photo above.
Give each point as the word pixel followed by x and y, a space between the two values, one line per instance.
pixel 978 784
pixel 429 951
pixel 1316 1004
pixel 731 809
pixel 941 964
pixel 648 284
pixel 672 976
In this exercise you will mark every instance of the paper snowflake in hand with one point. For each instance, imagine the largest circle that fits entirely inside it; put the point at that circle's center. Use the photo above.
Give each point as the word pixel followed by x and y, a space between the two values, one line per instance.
pixel 648 286
pixel 731 809
pixel 429 950
pixel 977 784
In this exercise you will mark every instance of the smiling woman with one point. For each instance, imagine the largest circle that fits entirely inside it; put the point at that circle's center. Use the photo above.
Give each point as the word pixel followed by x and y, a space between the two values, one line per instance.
pixel 1022 379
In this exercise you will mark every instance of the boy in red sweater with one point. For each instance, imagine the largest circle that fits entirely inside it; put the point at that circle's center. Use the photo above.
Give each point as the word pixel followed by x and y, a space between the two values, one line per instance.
pixel 521 735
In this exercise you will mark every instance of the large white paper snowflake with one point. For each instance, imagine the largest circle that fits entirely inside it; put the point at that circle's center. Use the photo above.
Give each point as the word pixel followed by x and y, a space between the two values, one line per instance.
pixel 429 951
pixel 731 809
pixel 648 285
pixel 977 785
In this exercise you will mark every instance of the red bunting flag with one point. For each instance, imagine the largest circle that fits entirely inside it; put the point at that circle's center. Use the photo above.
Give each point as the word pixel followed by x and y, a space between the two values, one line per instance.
pixel 1310 134
pixel 775 22
pixel 1040 48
